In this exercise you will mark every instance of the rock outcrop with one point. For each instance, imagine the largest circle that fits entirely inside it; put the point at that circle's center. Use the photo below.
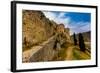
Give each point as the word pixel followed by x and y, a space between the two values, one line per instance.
pixel 36 28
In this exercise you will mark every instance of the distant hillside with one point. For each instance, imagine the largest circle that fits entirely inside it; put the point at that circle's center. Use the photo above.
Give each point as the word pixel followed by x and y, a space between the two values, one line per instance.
pixel 86 36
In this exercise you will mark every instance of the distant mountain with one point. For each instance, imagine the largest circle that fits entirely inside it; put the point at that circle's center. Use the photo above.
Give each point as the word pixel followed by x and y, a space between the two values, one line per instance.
pixel 86 36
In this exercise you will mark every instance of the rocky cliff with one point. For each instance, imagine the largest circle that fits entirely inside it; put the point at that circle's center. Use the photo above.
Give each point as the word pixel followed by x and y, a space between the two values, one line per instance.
pixel 36 28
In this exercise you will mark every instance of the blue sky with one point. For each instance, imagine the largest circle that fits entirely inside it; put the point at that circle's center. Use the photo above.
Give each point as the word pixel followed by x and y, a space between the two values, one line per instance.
pixel 77 22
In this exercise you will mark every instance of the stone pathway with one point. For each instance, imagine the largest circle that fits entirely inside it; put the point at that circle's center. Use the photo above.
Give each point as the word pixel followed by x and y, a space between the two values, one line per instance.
pixel 28 53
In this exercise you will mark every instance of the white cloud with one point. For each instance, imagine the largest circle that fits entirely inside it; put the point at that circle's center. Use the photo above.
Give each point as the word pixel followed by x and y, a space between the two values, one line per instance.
pixel 50 15
pixel 81 27
pixel 58 18
pixel 76 27
pixel 62 15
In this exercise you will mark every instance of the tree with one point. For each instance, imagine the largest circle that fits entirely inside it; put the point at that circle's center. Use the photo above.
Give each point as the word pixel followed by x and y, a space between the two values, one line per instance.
pixel 75 40
pixel 81 43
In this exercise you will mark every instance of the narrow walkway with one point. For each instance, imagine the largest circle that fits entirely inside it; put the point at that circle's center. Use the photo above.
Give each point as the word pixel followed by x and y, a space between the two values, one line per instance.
pixel 28 53
pixel 69 53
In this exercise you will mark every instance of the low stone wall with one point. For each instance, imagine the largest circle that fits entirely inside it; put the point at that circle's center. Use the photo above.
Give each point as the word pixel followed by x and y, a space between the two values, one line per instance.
pixel 46 52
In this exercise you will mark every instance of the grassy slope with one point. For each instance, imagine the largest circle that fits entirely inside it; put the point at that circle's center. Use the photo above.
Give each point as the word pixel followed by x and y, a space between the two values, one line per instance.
pixel 79 55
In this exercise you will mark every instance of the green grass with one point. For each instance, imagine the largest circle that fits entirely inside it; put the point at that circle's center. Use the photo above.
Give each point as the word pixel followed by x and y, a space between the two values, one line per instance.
pixel 79 55
pixel 62 53
pixel 76 55
pixel 60 56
